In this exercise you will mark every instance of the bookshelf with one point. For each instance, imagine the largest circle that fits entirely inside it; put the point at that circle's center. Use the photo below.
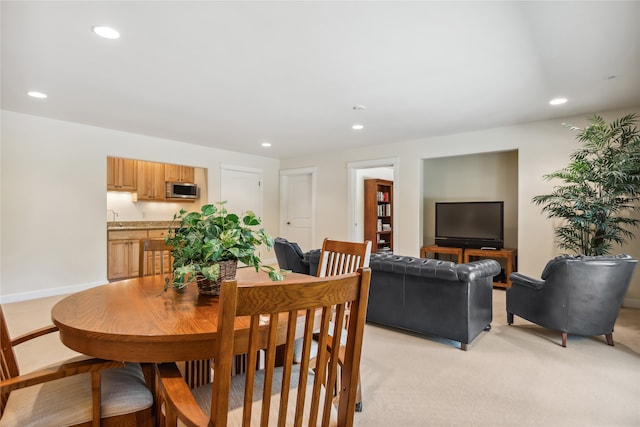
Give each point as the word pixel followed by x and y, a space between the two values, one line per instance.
pixel 378 214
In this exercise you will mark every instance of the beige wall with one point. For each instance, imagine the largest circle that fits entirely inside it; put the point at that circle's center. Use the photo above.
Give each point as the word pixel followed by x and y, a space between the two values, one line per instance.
pixel 53 181
pixel 53 204
pixel 474 177
pixel 542 147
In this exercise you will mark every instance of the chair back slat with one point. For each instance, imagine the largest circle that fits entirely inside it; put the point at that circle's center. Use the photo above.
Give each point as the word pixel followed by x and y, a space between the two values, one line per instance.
pixel 339 257
pixel 154 257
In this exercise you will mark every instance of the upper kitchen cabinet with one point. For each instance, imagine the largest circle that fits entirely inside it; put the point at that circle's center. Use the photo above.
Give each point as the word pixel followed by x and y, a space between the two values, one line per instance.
pixel 178 173
pixel 151 176
pixel 154 181
pixel 121 174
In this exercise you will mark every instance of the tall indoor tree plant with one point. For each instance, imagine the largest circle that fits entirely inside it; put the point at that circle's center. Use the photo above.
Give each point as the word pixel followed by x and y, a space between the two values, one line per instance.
pixel 601 188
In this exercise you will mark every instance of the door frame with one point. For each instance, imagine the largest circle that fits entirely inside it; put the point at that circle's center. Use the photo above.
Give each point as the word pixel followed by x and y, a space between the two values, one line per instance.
pixel 352 182
pixel 284 176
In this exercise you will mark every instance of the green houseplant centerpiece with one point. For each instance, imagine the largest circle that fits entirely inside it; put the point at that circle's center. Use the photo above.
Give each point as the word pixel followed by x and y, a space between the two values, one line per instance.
pixel 207 246
pixel 601 188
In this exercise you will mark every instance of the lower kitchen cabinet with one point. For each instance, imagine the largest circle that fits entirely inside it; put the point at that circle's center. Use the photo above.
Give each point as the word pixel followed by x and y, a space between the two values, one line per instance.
pixel 123 252
pixel 123 259
pixel 123 248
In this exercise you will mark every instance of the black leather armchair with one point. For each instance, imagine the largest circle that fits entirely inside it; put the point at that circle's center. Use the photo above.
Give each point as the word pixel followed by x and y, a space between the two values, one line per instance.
pixel 290 256
pixel 579 295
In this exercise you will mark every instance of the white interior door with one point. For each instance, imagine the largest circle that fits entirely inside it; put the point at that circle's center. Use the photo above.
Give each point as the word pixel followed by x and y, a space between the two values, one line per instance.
pixel 297 209
pixel 242 189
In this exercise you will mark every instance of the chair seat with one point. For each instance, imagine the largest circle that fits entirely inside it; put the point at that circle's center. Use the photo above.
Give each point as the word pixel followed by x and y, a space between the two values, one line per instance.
pixel 203 397
pixel 67 401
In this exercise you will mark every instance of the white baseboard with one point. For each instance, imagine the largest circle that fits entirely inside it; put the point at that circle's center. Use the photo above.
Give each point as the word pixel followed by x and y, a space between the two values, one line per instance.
pixel 25 296
pixel 631 303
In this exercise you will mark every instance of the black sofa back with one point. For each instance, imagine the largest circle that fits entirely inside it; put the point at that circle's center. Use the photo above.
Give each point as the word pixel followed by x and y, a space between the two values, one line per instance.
pixel 429 296
pixel 432 297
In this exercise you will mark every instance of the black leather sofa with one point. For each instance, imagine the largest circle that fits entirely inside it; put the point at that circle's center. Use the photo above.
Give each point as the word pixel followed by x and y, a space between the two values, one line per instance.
pixel 429 296
pixel 578 295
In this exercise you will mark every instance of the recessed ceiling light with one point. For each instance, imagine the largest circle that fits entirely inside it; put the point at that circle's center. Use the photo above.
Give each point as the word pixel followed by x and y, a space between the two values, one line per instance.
pixel 35 94
pixel 558 101
pixel 106 32
pixel 357 127
pixel 266 144
pixel 359 107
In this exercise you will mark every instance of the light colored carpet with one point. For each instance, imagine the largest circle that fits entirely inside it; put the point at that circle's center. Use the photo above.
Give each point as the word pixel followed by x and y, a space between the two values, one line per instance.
pixel 510 376
pixel 515 375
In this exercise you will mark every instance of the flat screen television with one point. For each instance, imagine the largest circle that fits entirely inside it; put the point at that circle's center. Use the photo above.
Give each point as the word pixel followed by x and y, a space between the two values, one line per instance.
pixel 470 224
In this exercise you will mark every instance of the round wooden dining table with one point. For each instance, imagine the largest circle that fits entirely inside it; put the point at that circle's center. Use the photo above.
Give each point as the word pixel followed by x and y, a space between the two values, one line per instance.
pixel 136 320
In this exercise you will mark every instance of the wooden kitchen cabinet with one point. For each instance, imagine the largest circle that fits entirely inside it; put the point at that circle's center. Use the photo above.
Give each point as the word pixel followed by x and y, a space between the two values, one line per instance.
pixel 146 179
pixel 158 233
pixel 121 174
pixel 123 252
pixel 151 181
pixel 178 173
pixel 123 248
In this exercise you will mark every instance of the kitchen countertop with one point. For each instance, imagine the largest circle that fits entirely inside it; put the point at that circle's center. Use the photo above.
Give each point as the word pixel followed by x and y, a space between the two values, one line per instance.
pixel 139 225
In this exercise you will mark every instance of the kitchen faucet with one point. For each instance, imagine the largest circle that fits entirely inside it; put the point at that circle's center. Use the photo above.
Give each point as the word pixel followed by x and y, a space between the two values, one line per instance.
pixel 115 214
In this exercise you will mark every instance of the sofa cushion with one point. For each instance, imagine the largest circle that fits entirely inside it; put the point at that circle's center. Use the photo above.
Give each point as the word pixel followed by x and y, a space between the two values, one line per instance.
pixel 297 249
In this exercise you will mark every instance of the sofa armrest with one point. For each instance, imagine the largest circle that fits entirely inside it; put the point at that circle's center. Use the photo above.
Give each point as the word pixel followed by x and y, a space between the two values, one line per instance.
pixel 526 281
pixel 478 269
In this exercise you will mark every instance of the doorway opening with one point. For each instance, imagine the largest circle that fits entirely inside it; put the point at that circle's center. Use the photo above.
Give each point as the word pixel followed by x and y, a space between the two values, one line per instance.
pixel 388 169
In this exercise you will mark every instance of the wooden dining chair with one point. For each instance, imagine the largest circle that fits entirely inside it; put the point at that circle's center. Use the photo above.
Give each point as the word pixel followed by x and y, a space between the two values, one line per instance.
pixel 154 257
pixel 297 394
pixel 339 257
pixel 80 392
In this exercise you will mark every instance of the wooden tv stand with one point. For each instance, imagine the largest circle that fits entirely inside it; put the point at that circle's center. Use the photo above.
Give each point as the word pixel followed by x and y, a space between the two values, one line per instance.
pixel 435 249
pixel 464 255
pixel 507 254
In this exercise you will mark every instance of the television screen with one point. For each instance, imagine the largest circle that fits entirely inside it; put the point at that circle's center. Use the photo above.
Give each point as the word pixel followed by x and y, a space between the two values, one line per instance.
pixel 470 224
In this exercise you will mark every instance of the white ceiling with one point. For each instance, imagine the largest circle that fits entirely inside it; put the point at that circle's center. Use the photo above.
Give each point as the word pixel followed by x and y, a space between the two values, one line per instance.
pixel 234 74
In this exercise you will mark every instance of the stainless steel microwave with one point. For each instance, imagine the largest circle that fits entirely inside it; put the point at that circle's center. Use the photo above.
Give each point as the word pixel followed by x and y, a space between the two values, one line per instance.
pixel 181 190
